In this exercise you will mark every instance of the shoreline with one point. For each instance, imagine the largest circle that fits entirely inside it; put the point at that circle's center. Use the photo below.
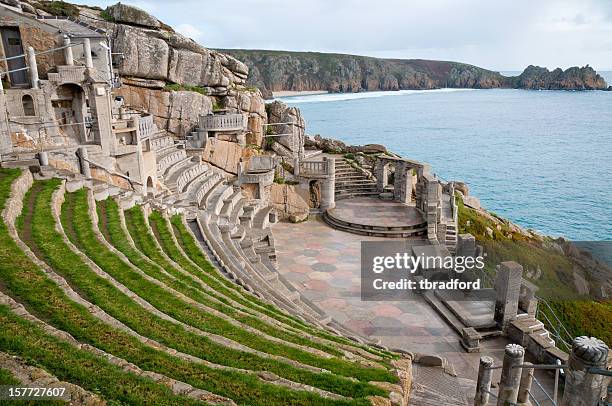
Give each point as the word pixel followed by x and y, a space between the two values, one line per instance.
pixel 289 93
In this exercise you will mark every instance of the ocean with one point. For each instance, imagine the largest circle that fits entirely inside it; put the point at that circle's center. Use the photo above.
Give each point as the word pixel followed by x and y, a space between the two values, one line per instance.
pixel 542 159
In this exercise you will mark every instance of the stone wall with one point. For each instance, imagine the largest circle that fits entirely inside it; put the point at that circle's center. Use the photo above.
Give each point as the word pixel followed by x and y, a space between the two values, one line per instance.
pixel 225 154
pixel 290 201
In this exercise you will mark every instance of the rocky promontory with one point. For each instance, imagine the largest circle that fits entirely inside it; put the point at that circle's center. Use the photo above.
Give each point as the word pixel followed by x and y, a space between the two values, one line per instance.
pixel 308 71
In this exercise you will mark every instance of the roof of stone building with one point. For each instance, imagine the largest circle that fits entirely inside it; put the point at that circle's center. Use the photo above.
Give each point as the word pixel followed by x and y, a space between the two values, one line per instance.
pixel 73 26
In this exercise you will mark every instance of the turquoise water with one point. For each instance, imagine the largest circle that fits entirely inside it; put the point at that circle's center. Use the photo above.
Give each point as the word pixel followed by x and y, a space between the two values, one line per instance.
pixel 540 158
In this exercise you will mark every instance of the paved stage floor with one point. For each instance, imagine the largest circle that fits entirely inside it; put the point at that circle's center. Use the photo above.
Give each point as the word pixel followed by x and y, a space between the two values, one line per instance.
pixel 324 265
pixel 373 211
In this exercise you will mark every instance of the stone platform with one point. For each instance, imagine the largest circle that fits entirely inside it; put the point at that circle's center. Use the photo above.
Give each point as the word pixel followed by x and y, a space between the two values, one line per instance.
pixel 376 217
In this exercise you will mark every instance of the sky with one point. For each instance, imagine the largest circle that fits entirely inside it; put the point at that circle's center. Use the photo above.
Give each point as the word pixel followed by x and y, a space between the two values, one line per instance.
pixel 503 35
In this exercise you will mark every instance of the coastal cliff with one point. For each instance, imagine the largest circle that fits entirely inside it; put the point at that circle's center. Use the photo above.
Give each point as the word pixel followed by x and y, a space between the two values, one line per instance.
pixel 273 71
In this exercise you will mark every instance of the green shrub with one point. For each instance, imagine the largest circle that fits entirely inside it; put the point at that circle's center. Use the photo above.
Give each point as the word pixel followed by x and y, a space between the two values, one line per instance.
pixel 58 8
pixel 106 16
pixel 189 88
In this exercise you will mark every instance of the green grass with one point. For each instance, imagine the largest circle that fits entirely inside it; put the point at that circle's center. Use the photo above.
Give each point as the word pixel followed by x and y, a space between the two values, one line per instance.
pixel 182 87
pixel 113 231
pixel 25 282
pixel 190 247
pixel 82 235
pixel 580 317
pixel 163 232
pixel 67 363
pixel 58 8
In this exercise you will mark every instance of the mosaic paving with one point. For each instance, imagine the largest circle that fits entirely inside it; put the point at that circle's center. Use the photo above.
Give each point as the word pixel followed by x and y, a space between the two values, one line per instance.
pixel 324 264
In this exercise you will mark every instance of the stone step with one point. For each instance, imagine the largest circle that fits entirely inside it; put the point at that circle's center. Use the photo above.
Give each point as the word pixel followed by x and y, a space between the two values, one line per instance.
pixel 355 194
pixel 389 232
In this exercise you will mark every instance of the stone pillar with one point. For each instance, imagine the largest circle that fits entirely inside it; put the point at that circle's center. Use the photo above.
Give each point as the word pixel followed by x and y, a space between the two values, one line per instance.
pixel 583 388
pixel 43 158
pixel 400 184
pixel 85 168
pixel 525 386
pixel 466 245
pixel 87 52
pixel 381 174
pixel 328 186
pixel 507 290
pixel 510 381
pixel 296 166
pixel 68 58
pixel 483 386
pixel 101 111
pixel 6 144
pixel 33 68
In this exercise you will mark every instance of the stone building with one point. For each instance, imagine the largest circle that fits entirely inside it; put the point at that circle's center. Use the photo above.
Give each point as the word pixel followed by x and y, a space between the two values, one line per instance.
pixel 57 99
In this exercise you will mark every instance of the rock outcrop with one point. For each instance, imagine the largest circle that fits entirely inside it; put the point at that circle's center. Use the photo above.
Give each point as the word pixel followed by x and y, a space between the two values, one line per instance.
pixel 172 76
pixel 290 127
pixel 535 77
pixel 123 13
pixel 300 71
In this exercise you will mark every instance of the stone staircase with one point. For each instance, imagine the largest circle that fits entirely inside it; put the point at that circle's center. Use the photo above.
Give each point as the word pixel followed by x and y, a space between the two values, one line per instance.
pixel 352 182
pixel 451 238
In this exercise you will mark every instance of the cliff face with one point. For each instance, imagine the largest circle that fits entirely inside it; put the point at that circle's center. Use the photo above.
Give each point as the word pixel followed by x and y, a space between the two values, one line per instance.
pixel 535 77
pixel 171 76
pixel 281 70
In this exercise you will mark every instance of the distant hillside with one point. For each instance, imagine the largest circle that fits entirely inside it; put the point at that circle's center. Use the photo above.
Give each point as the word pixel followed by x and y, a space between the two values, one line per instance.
pixel 299 71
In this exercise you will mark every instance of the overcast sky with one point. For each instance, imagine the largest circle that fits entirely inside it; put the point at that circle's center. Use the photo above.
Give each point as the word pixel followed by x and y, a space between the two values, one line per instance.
pixel 495 34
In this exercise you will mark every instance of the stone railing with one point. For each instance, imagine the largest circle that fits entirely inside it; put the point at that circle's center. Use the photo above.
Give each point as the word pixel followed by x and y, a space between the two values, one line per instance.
pixel 161 142
pixel 222 122
pixel 313 168
pixel 69 74
pixel 146 128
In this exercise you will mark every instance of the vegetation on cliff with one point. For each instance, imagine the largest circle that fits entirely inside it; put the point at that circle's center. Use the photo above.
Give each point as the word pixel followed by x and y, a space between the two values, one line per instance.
pixel 300 71
pixel 547 265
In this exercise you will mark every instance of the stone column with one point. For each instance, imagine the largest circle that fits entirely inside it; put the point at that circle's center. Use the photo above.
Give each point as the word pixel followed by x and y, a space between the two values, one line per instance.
pixel 381 174
pixel 483 386
pixel 583 388
pixel 328 186
pixel 525 387
pixel 466 245
pixel 296 166
pixel 33 67
pixel 87 52
pixel 507 290
pixel 43 158
pixel 69 59
pixel 6 144
pixel 509 384
pixel 85 168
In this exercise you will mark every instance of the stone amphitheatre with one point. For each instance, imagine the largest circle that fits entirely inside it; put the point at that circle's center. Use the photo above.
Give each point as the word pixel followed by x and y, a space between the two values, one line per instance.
pixel 169 238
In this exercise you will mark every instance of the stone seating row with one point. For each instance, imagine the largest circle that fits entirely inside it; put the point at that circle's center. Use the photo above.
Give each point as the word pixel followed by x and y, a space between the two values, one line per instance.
pixel 189 174
pixel 164 161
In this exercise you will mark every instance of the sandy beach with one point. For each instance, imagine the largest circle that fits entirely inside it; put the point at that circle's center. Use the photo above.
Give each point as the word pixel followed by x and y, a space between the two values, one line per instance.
pixel 289 93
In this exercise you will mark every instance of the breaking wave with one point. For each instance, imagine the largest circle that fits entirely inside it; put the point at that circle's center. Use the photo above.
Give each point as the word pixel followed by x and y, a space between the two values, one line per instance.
pixel 332 97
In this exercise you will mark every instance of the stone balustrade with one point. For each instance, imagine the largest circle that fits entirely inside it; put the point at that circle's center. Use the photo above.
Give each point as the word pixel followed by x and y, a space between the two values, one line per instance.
pixel 222 122
pixel 313 168
pixel 146 128
pixel 161 142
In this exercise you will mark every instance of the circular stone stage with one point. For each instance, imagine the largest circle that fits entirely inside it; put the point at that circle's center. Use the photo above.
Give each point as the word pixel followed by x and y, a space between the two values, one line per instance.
pixel 376 217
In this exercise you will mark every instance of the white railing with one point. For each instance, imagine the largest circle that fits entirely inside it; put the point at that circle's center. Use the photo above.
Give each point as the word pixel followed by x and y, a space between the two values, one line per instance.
pixel 145 126
pixel 313 168
pixel 222 122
